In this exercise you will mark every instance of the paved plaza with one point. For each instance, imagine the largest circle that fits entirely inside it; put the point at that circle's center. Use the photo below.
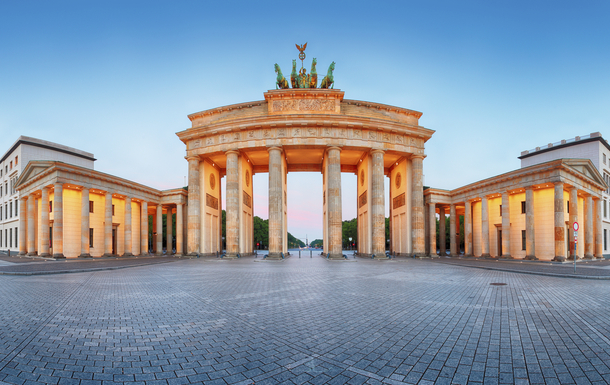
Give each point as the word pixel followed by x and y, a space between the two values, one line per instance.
pixel 304 320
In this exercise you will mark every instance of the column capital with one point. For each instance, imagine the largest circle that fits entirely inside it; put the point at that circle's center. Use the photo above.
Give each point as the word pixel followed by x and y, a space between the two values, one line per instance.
pixel 192 157
pixel 274 147
pixel 418 156
pixel 596 198
pixel 558 183
pixel 374 150
pixel 24 197
pixel 338 148
pixel 530 187
pixel 232 151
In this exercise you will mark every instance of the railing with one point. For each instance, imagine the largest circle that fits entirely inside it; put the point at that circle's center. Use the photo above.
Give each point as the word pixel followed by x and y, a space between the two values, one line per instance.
pixel 565 141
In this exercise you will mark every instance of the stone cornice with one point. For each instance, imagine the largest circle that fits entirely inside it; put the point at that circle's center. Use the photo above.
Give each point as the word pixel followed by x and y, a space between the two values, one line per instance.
pixel 385 107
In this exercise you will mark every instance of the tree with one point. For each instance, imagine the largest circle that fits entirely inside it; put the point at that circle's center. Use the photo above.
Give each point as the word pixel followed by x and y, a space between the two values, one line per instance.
pixel 349 229
pixel 294 242
pixel 261 232
pixel 317 243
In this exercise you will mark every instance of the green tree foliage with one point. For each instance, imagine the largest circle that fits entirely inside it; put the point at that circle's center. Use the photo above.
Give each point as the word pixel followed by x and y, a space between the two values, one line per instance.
pixel 349 229
pixel 294 242
pixel 261 233
pixel 317 243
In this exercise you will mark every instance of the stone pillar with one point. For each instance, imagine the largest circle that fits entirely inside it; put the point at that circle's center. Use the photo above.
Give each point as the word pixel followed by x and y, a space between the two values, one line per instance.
pixel 276 207
pixel 127 252
pixel 467 229
pixel 108 225
pixel 153 233
pixel 58 221
pixel 23 225
pixel 31 225
pixel 441 232
pixel 589 242
pixel 232 203
pixel 560 251
pixel 530 225
pixel 453 223
pixel 84 224
pixel 333 198
pixel 44 223
pixel 505 226
pixel 484 229
pixel 144 228
pixel 377 204
pixel 458 231
pixel 598 229
pixel 573 218
pixel 417 207
pixel 159 229
pixel 169 231
pixel 194 208
pixel 179 232
pixel 432 228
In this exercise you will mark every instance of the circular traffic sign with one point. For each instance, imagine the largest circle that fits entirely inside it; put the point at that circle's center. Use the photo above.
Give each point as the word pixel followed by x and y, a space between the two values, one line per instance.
pixel 575 226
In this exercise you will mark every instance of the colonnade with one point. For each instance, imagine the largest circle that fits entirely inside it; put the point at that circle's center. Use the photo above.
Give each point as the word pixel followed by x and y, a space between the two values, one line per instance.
pixel 552 237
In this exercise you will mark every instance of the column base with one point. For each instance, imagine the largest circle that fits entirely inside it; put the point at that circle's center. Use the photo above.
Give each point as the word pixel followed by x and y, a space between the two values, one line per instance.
pixel 419 255
pixel 108 255
pixel 589 257
pixel 572 257
pixel 85 255
pixel 531 258
pixel 44 255
pixel 559 258
pixel 338 256
pixel 32 254
pixel 234 256
pixel 23 253
pixel 274 256
pixel 508 256
pixel 487 256
pixel 59 256
pixel 127 255
pixel 599 257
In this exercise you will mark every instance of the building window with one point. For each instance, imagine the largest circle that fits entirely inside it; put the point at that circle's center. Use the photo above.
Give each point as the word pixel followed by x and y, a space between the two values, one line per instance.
pixel 0 238
pixel 16 209
pixel 568 205
pixel 522 207
pixel 604 157
pixel 112 210
pixel 605 208
pixel 500 210
pixel 17 160
pixel 90 237
pixel 11 237
pixel 50 206
pixel 90 206
pixel 11 209
pixel 11 164
pixel 0 213
pixel 0 191
pixel 605 240
pixel 16 237
pixel 522 239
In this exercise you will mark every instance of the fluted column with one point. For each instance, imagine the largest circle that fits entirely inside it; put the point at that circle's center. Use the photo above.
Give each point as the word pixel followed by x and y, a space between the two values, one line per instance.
pixel 84 224
pixel 432 228
pixel 58 221
pixel 441 232
pixel 573 218
pixel 169 231
pixel 452 233
pixel 23 225
pixel 484 228
pixel 598 229
pixel 44 223
pixel 560 250
pixel 144 228
pixel 31 225
pixel 467 229
pixel 530 235
pixel 194 208
pixel 108 225
pixel 159 229
pixel 589 240
pixel 418 234
pixel 179 230
pixel 333 197
pixel 276 237
pixel 377 203
pixel 127 249
pixel 505 226
pixel 232 203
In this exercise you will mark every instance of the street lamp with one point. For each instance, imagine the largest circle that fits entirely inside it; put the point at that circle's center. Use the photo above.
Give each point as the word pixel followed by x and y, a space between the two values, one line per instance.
pixel 350 243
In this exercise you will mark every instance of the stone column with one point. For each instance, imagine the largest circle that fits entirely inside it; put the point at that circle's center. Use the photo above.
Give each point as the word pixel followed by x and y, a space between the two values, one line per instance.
pixel 452 233
pixel 159 237
pixel 441 232
pixel 232 203
pixel 169 229
pixel 153 233
pixel 458 245
pixel 432 228
pixel 179 233
pixel 127 252
pixel 31 225
pixel 598 229
pixel 144 228
pixel 44 223
pixel 530 225
pixel 335 220
pixel 484 229
pixel 276 208
pixel 589 242
pixel 560 251
pixel 573 218
pixel 417 207
pixel 58 221
pixel 108 225
pixel 505 226
pixel 467 229
pixel 194 208
pixel 23 225
pixel 84 224
pixel 377 204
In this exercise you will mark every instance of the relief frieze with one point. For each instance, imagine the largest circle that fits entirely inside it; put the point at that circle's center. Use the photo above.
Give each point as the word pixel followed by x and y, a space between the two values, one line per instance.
pixel 362 200
pixel 399 201
pixel 281 132
pixel 247 199
pixel 211 201
pixel 303 105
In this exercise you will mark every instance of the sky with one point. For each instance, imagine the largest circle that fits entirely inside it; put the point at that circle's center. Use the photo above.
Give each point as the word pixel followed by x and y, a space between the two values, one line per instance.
pixel 118 78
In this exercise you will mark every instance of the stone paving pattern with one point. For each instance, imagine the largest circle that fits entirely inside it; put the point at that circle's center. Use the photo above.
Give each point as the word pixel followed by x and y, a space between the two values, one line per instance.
pixel 303 321
pixel 34 266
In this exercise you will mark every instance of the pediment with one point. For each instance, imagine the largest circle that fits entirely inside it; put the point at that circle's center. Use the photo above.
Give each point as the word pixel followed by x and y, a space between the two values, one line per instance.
pixel 585 167
pixel 32 169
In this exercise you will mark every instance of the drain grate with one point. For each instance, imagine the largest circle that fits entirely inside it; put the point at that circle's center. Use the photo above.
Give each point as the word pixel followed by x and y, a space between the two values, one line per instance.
pixel 497 284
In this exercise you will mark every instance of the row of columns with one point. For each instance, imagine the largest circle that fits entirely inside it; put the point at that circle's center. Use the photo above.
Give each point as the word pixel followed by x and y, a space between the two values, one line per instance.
pixel 592 228
pixel 27 244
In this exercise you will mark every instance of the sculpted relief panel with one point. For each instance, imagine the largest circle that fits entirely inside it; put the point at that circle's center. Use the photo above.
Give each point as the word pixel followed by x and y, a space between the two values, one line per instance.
pixel 306 105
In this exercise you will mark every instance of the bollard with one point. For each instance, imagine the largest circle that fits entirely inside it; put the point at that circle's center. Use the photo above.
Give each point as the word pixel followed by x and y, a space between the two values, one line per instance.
pixel 310 254
pixel 299 253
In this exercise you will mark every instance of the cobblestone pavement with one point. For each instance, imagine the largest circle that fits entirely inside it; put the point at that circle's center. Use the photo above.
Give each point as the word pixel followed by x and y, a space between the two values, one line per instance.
pixel 25 266
pixel 303 321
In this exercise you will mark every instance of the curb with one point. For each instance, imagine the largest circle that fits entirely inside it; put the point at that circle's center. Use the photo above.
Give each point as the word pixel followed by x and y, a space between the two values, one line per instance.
pixel 78 270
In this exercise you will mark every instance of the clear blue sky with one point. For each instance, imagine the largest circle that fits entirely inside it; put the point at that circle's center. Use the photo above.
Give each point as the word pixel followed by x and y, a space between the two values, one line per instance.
pixel 118 78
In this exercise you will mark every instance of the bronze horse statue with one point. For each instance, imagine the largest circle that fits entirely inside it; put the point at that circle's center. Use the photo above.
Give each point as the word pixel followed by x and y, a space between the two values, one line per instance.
pixel 294 77
pixel 313 75
pixel 281 80
pixel 328 79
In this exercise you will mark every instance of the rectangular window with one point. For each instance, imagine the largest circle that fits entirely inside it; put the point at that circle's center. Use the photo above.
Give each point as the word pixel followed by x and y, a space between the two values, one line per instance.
pixel 500 210
pixel 0 238
pixel 90 206
pixel 11 164
pixel 605 240
pixel 522 239
pixel 11 238
pixel 568 204
pixel 11 209
pixel 90 237
pixel 50 206
pixel 605 208
pixel 604 157
pixel 16 160
pixel 522 207
pixel 16 237
pixel 16 209
pixel 0 191
pixel 0 213
pixel 112 210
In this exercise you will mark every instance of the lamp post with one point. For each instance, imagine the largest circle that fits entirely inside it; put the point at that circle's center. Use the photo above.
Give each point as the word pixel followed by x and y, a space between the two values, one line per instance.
pixel 350 243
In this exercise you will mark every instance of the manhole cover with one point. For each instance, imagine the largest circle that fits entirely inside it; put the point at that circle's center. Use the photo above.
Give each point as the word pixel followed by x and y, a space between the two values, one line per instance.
pixel 497 284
